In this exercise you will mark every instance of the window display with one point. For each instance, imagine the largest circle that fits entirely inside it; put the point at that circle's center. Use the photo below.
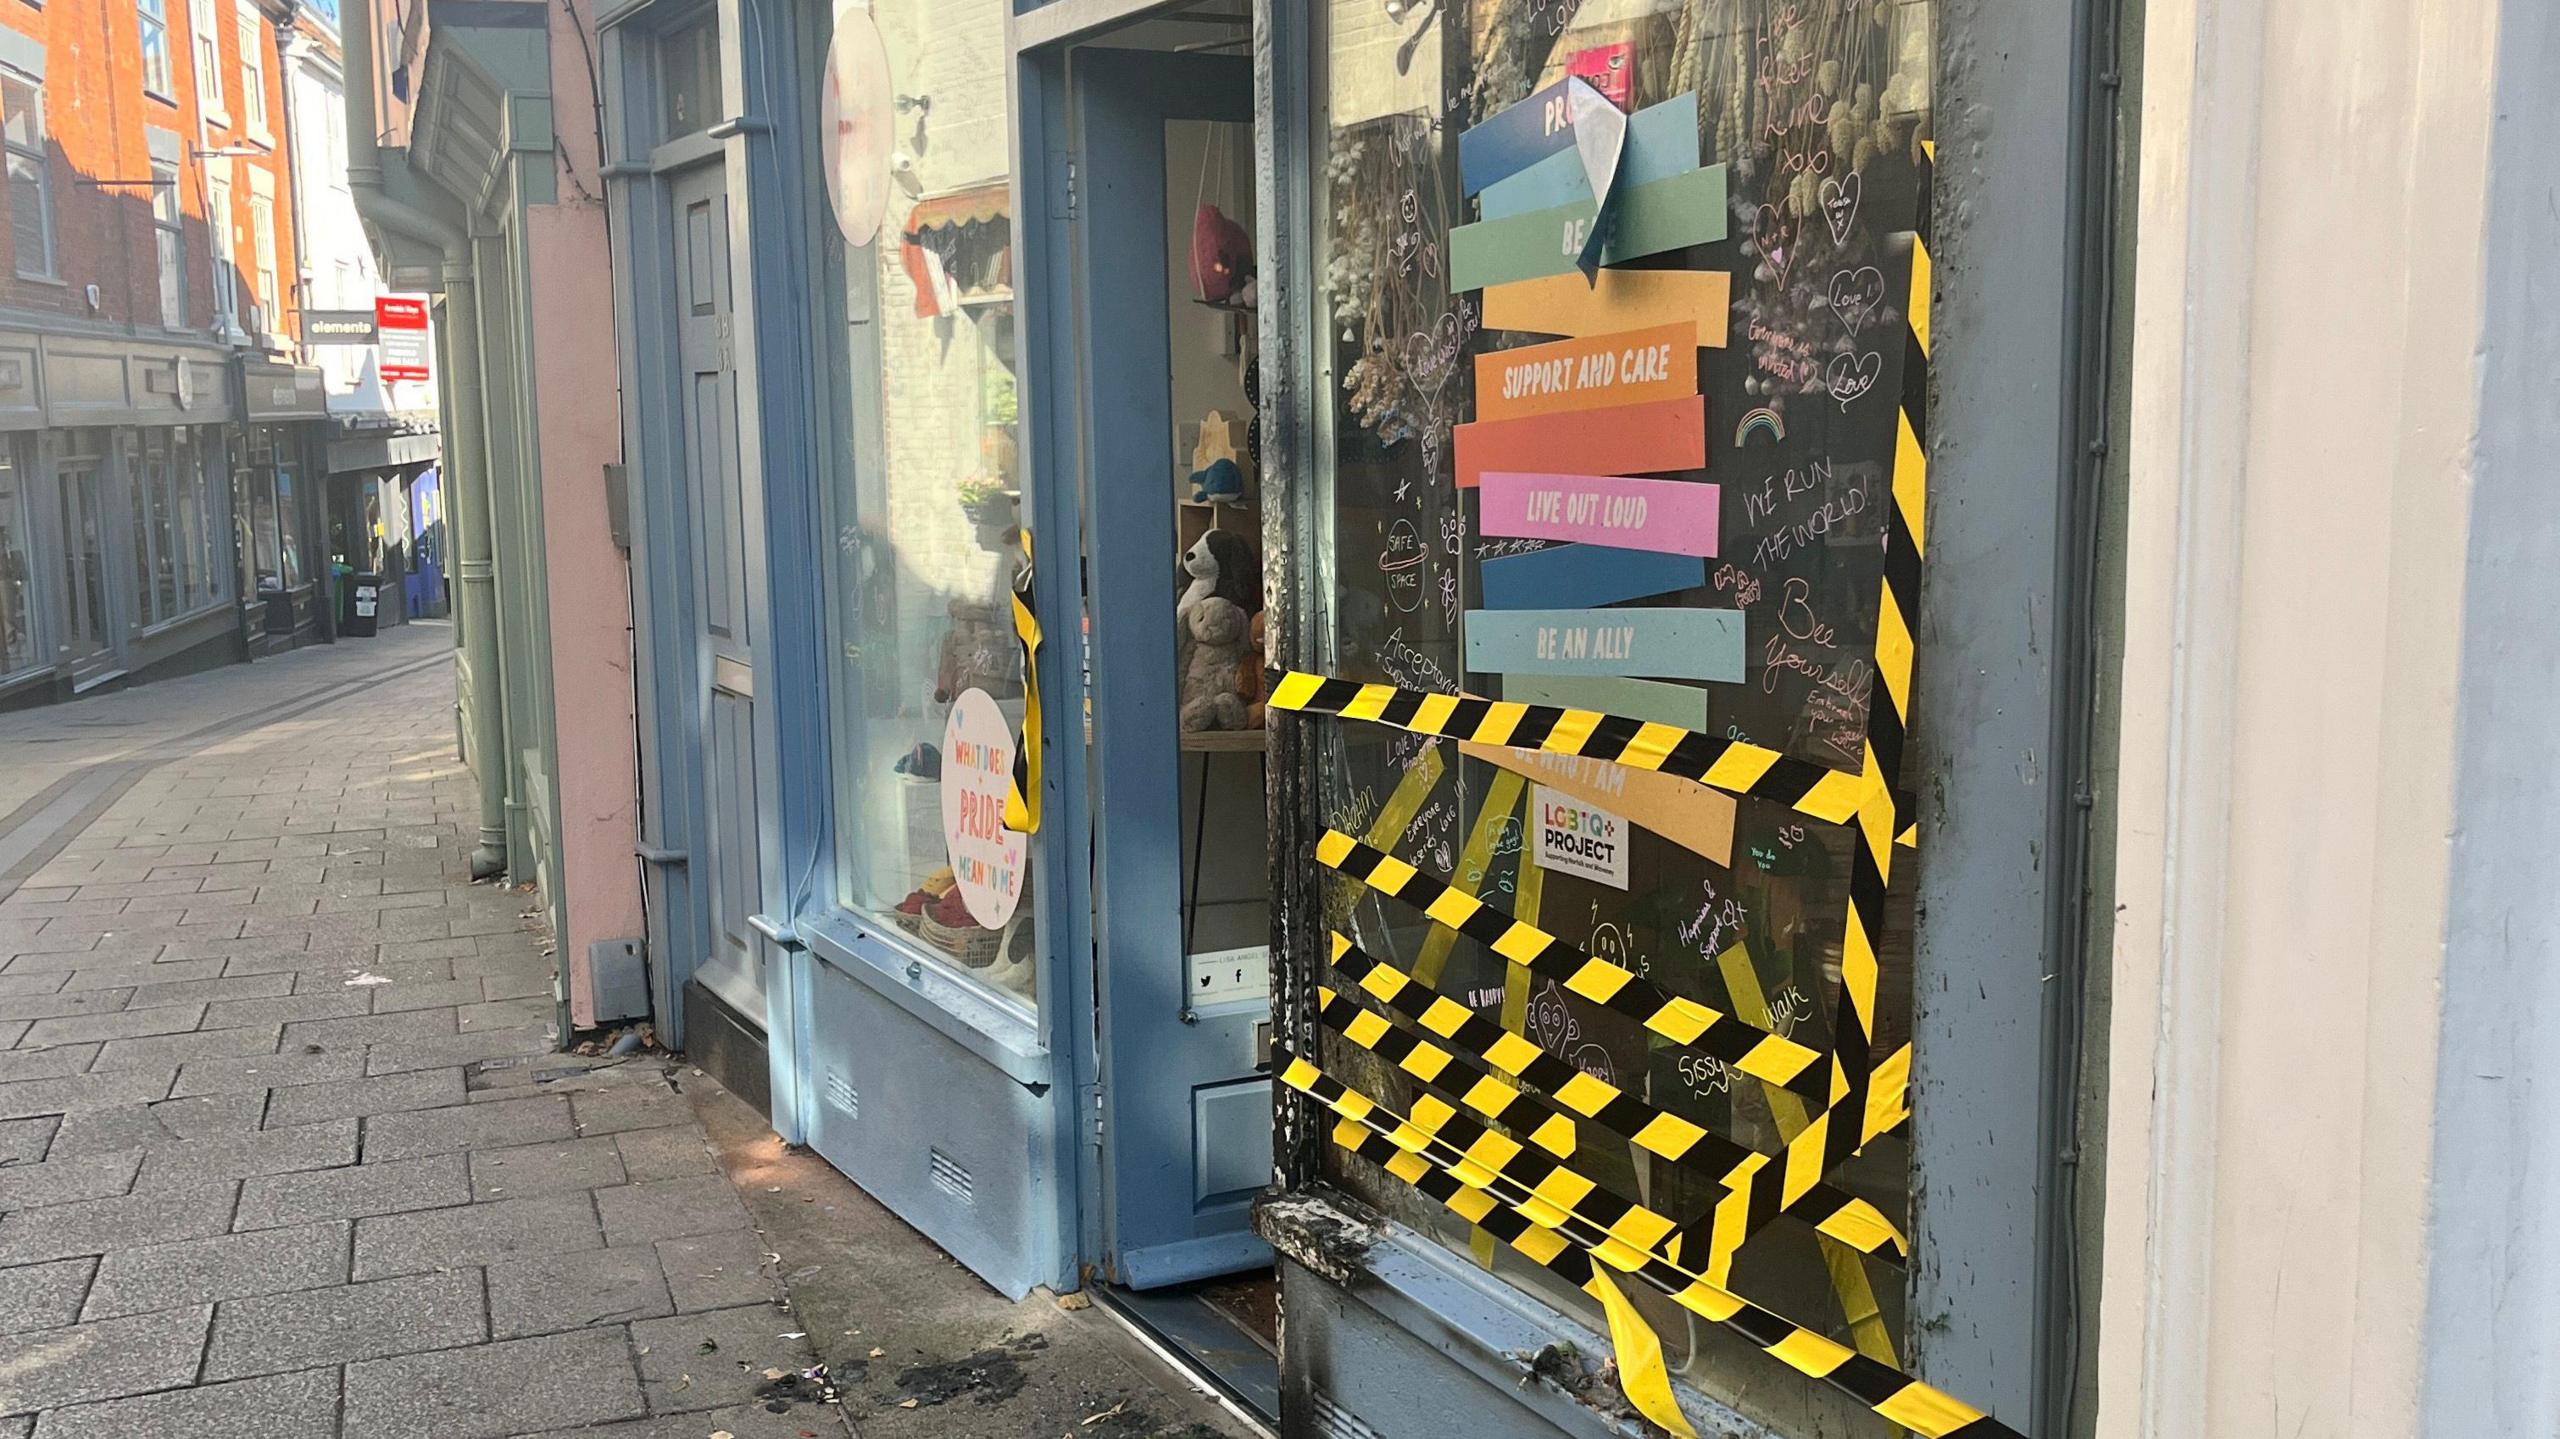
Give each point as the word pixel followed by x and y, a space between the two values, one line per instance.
pixel 1618 299
pixel 924 493
pixel 17 578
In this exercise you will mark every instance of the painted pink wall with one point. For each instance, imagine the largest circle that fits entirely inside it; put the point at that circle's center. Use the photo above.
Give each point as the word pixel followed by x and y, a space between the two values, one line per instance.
pixel 580 424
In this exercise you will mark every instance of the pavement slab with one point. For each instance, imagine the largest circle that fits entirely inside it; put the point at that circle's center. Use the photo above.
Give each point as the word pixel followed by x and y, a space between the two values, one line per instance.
pixel 345 1322
pixel 188 1210
pixel 106 1360
pixel 60 1181
pixel 467 1126
pixel 43 1296
pixel 475 1234
pixel 495 1390
pixel 223 1266
pixel 575 1291
pixel 281 1406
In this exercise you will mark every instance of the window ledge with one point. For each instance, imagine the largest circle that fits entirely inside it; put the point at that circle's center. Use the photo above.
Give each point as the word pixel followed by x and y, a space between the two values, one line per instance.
pixel 218 119
pixel 55 282
pixel 169 100
pixel 1486 1325
pixel 995 1032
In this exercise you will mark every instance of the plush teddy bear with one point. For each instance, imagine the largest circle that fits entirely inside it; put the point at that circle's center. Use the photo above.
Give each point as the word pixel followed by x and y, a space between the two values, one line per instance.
pixel 1215 629
pixel 1211 626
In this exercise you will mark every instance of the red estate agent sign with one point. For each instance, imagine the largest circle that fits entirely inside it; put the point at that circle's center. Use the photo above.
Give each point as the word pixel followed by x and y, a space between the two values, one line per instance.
pixel 402 322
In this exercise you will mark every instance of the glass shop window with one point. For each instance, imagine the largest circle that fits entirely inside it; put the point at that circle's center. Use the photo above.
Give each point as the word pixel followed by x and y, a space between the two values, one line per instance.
pixel 17 578
pixel 924 503
pixel 1660 492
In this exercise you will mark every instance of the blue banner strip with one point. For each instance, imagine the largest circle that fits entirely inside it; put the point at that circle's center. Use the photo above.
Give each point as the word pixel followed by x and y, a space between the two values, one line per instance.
pixel 1662 142
pixel 1581 577
pixel 1654 644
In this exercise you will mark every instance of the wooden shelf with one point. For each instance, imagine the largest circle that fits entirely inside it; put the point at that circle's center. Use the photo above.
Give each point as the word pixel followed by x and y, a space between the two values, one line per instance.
pixel 1226 741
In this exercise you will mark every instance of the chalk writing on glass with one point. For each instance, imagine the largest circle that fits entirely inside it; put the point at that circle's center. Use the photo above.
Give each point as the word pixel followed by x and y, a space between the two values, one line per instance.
pixel 1855 294
pixel 1553 1025
pixel 1411 668
pixel 1850 376
pixel 1401 560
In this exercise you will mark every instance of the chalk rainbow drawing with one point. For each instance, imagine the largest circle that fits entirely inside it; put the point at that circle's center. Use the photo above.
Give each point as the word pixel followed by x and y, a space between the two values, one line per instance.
pixel 1761 418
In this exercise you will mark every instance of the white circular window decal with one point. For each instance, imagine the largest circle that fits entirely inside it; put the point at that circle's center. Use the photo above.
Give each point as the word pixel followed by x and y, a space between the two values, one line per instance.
pixel 987 859
pixel 854 118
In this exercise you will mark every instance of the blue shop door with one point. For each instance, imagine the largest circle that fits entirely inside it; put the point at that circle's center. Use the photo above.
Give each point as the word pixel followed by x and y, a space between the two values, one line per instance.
pixel 1163 145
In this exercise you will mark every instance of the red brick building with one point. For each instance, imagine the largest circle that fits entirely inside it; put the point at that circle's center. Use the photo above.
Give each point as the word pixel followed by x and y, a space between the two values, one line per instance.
pixel 155 510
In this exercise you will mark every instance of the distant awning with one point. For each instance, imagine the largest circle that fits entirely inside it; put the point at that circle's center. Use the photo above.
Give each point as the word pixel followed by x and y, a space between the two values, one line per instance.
pixel 976 205
pixel 959 248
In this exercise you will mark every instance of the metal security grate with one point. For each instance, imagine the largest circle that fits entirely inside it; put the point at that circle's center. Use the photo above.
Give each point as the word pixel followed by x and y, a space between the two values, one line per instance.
pixel 843 1096
pixel 951 1177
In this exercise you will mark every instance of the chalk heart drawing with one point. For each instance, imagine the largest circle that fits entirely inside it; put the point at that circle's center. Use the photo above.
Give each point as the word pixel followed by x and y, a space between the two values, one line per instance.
pixel 1431 356
pixel 1840 204
pixel 1855 295
pixel 1853 375
pixel 1773 234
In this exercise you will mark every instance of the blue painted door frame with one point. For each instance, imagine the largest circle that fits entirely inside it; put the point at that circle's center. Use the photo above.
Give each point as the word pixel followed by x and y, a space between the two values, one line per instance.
pixel 1157 1055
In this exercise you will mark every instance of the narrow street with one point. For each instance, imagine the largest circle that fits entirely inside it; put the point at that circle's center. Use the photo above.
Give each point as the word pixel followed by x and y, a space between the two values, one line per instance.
pixel 286 1149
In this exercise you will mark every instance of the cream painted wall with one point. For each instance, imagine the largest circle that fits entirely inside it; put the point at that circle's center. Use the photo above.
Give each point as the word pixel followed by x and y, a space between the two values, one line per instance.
pixel 2303 396
pixel 588 577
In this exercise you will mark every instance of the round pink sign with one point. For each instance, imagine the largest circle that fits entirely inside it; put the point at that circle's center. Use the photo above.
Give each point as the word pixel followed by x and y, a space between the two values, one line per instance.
pixel 977 771
pixel 854 118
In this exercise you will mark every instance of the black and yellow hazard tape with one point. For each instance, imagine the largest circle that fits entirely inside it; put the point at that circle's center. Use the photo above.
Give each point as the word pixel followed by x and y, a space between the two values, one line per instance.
pixel 1022 797
pixel 1755 1052
pixel 1765 1188
pixel 1881 819
pixel 1572 1248
pixel 1733 766
pixel 1843 1216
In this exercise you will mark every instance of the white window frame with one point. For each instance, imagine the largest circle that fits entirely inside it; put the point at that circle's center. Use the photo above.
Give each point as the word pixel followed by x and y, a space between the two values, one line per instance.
pixel 207 38
pixel 169 242
pixel 39 154
pixel 253 72
pixel 265 297
pixel 226 270
pixel 151 21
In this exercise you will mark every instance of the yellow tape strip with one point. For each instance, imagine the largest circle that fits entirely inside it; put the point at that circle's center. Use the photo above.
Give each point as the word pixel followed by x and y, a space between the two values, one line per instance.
pixel 1573 1251
pixel 1848 1272
pixel 1022 796
pixel 1641 1371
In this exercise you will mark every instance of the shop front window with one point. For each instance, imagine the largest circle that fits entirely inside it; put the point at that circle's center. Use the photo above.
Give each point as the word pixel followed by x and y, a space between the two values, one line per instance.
pixel 17 582
pixel 924 502
pixel 1675 510
pixel 274 528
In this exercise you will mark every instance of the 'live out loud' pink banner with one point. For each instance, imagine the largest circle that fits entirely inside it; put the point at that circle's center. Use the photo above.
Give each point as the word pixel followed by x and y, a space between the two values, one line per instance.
pixel 1672 517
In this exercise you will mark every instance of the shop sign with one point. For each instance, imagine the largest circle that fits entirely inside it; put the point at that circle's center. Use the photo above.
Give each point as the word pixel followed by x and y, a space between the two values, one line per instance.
pixel 402 322
pixel 987 859
pixel 339 327
pixel 1578 837
pixel 855 120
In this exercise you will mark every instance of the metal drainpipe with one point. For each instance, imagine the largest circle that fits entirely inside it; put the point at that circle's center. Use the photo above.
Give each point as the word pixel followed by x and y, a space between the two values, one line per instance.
pixel 460 399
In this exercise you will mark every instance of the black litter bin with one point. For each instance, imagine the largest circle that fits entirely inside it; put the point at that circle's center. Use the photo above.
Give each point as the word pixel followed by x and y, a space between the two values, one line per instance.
pixel 363 606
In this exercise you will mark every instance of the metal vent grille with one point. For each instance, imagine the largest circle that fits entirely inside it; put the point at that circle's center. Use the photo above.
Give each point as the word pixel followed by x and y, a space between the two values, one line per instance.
pixel 952 1178
pixel 844 1096
pixel 1335 1422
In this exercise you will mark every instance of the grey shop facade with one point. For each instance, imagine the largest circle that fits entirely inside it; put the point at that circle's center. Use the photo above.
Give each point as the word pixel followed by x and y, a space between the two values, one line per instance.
pixel 1505 888
pixel 151 516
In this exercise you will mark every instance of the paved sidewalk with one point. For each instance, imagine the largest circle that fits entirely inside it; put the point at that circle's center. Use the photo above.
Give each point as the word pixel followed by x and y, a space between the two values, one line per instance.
pixel 284 1150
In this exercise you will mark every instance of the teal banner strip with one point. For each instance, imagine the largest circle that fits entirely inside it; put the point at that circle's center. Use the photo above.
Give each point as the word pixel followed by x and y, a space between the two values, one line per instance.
pixel 1658 644
pixel 1663 215
pixel 1676 705
pixel 1662 143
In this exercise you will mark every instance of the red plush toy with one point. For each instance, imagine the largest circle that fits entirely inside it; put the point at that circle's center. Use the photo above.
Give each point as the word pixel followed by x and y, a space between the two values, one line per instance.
pixel 1221 255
